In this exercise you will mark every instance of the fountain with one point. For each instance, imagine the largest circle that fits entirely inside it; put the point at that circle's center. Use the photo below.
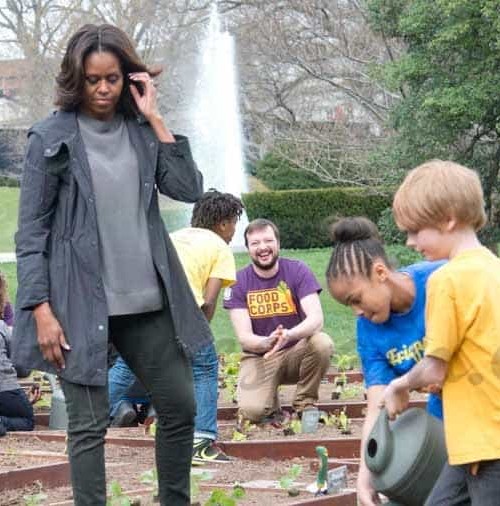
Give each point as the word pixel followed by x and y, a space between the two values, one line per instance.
pixel 214 123
pixel 217 138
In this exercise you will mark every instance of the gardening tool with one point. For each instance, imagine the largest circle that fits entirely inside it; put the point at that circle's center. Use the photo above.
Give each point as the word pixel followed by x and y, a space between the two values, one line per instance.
pixel 406 456
pixel 58 417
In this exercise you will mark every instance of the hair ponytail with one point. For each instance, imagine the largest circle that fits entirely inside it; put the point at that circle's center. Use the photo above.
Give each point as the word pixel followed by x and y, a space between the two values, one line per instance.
pixel 357 243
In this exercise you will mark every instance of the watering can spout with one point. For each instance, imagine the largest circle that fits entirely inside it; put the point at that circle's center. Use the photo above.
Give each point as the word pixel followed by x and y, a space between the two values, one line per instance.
pixel 379 445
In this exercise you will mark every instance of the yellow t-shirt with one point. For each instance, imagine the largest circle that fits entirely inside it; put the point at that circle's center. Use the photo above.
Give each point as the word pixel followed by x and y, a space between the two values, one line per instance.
pixel 463 328
pixel 204 255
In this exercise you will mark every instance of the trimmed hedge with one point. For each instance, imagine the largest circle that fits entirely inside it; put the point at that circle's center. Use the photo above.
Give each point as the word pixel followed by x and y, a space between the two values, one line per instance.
pixel 10 182
pixel 303 216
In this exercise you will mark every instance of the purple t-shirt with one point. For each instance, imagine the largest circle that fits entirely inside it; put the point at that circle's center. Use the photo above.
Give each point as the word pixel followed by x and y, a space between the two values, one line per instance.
pixel 272 301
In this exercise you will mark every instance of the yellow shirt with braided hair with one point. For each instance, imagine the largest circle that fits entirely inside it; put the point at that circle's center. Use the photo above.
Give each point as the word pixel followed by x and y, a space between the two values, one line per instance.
pixel 204 255
pixel 463 328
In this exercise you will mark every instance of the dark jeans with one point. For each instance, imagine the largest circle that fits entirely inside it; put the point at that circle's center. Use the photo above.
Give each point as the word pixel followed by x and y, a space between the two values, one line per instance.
pixel 457 487
pixel 146 342
pixel 16 411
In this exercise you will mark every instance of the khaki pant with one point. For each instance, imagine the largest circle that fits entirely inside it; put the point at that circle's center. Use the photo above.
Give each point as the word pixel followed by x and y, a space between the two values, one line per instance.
pixel 304 364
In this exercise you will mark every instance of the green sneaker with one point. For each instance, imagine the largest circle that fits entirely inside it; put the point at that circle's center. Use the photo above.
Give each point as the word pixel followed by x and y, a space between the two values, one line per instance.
pixel 207 450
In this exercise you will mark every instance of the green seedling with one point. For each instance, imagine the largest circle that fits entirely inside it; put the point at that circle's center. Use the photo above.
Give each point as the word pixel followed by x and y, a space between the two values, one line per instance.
pixel 195 480
pixel 352 392
pixel 44 401
pixel 243 428
pixel 151 429
pixel 345 362
pixel 248 426
pixel 329 420
pixel 239 436
pixel 231 363
pixel 287 481
pixel 296 426
pixel 116 497
pixel 34 499
pixel 292 427
pixel 220 497
pixel 150 478
pixel 244 425
pixel 231 385
pixel 230 368
pixel 343 422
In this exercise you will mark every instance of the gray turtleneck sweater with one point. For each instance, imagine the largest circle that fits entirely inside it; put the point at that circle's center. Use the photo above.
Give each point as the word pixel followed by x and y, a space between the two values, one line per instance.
pixel 130 281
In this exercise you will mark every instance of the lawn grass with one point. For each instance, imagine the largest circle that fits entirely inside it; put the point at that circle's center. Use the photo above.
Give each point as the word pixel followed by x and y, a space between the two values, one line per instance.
pixel 9 198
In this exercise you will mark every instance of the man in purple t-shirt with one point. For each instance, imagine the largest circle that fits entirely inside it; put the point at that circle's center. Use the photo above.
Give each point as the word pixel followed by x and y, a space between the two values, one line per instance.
pixel 276 314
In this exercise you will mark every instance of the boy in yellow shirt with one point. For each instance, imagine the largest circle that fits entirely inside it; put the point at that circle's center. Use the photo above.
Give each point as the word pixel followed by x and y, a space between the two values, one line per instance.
pixel 441 206
pixel 209 265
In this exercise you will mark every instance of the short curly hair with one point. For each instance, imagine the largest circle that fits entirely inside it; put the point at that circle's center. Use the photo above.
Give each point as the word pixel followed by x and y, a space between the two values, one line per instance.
pixel 215 207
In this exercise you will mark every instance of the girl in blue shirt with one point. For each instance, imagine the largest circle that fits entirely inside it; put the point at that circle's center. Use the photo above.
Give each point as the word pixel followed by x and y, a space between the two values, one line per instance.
pixel 390 310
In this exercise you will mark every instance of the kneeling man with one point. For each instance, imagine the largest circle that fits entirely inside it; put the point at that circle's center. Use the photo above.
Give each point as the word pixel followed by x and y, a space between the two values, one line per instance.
pixel 276 313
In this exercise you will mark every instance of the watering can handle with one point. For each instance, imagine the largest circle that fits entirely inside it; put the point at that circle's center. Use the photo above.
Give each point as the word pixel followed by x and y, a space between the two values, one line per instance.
pixel 378 447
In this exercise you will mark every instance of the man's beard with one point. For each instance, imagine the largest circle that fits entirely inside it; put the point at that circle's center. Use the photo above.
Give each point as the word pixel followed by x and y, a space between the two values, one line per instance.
pixel 266 267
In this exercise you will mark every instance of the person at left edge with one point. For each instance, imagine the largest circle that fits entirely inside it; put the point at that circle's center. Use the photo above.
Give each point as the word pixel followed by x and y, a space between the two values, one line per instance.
pixel 94 260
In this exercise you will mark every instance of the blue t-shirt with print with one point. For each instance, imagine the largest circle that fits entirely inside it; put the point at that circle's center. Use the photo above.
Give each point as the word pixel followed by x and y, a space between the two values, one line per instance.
pixel 390 349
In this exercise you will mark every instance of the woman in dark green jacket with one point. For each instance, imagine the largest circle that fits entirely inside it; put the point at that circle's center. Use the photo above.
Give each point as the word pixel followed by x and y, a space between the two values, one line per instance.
pixel 95 261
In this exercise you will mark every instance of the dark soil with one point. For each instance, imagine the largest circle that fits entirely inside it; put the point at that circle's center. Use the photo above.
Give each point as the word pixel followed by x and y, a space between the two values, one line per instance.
pixel 127 464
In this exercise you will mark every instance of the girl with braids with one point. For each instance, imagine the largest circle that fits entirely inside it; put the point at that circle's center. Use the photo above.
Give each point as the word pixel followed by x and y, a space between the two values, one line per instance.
pixel 389 306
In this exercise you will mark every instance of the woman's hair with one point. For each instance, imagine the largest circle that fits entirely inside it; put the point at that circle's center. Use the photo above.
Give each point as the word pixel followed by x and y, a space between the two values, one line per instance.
pixel 101 38
pixel 215 207
pixel 356 244
pixel 3 294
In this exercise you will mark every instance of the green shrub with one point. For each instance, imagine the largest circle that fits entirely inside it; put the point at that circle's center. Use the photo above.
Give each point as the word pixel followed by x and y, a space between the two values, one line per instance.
pixel 7 181
pixel 401 256
pixel 279 174
pixel 388 228
pixel 304 216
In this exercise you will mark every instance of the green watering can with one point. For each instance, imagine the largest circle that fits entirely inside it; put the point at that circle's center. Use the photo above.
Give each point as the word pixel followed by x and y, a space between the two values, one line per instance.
pixel 406 456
